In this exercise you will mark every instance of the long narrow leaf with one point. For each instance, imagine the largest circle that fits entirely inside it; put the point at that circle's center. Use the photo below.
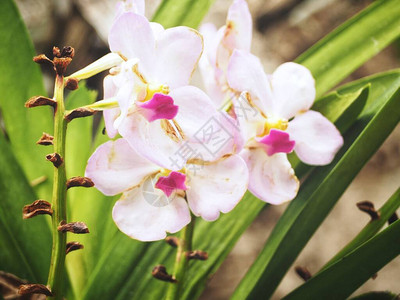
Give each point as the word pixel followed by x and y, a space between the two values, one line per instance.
pixel 341 279
pixel 182 12
pixel 25 244
pixel 350 45
pixel 385 212
pixel 20 79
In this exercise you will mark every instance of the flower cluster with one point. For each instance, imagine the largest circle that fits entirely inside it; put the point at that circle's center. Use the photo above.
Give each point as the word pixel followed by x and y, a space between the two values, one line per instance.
pixel 180 149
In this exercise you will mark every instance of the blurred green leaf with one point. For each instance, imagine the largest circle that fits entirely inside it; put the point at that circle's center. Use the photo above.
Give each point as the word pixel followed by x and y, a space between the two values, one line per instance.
pixel 25 244
pixel 323 188
pixel 342 278
pixel 172 13
pixel 342 51
pixel 20 79
pixel 385 212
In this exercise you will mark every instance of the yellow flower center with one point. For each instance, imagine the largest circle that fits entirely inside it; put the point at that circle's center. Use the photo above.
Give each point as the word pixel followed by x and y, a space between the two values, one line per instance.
pixel 152 89
pixel 273 123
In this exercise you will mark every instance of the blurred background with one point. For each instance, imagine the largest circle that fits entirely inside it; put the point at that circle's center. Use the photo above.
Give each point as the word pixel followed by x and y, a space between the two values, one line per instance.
pixel 282 30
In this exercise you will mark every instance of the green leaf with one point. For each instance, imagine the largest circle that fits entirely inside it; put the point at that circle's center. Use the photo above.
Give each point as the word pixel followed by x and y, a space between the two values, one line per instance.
pixel 377 296
pixel 25 244
pixel 341 279
pixel 323 188
pixel 350 45
pixel 172 13
pixel 20 79
pixel 373 227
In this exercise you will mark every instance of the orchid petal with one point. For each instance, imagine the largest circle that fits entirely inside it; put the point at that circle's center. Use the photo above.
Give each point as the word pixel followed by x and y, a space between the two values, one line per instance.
pixel 157 28
pixel 272 178
pixel 276 141
pixel 237 33
pixel 209 33
pixel 178 51
pixel 213 77
pixel 317 139
pixel 250 120
pixel 210 134
pixel 136 6
pixel 195 108
pixel 132 36
pixel 239 26
pixel 245 73
pixel 216 187
pixel 143 220
pixel 151 140
pixel 125 97
pixel 110 115
pixel 293 88
pixel 115 167
pixel 174 181
pixel 159 107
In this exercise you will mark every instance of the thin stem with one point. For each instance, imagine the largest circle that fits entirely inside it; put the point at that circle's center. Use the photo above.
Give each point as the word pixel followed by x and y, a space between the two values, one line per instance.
pixel 181 262
pixel 57 270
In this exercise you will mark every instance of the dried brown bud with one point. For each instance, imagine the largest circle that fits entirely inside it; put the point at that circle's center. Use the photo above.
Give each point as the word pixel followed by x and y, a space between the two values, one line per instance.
pixel 72 84
pixel 373 277
pixel 72 246
pixel 28 289
pixel 368 207
pixel 9 285
pixel 42 59
pixel 79 113
pixel 68 51
pixel 79 181
pixel 303 272
pixel 172 241
pixel 45 140
pixel 160 272
pixel 40 101
pixel 75 227
pixel 38 207
pixel 393 218
pixel 55 158
pixel 62 58
pixel 197 254
pixel 56 52
pixel 61 64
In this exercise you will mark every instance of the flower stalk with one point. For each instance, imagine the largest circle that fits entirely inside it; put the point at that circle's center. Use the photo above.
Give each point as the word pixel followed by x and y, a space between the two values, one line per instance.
pixel 181 261
pixel 57 266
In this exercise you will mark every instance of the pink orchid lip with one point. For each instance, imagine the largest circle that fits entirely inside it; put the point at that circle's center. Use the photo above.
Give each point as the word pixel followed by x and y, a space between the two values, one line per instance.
pixel 174 181
pixel 160 106
pixel 276 141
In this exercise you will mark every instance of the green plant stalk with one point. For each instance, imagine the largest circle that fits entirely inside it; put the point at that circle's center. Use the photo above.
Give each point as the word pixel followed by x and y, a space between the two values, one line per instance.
pixel 57 269
pixel 181 261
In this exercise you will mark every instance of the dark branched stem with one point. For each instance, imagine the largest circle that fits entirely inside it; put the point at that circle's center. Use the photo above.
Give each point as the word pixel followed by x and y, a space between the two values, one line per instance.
pixel 57 267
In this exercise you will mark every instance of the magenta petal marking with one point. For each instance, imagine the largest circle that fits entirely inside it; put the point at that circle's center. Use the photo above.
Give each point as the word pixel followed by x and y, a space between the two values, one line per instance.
pixel 174 181
pixel 276 141
pixel 159 107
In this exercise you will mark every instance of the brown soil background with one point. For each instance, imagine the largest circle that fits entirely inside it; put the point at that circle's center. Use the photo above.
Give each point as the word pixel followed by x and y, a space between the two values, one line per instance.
pixel 282 30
